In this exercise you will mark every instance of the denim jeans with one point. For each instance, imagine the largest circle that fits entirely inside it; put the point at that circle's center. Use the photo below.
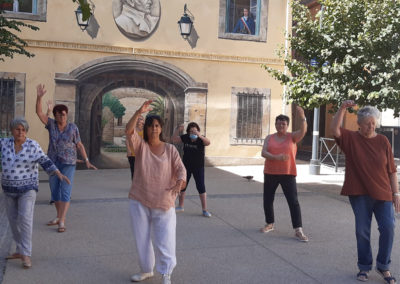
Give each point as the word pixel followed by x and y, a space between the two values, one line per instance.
pixel 363 207
pixel 60 190
pixel 20 216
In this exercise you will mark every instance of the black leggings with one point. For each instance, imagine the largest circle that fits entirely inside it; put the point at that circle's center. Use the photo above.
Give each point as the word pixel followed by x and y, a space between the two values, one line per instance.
pixel 288 184
pixel 131 160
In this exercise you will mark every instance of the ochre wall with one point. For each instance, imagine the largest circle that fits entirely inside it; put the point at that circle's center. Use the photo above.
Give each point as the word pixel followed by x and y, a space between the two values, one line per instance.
pixel 220 74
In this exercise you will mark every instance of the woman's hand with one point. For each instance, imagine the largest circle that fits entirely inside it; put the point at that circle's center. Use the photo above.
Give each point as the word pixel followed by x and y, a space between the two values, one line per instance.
pixel 40 90
pixel 62 177
pixel 347 104
pixel 396 203
pixel 181 127
pixel 176 189
pixel 145 107
pixel 282 157
pixel 89 165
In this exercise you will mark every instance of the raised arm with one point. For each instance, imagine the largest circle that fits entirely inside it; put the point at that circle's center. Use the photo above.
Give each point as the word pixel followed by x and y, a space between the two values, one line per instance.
pixel 175 136
pixel 40 91
pixel 338 118
pixel 299 134
pixel 205 140
pixel 131 125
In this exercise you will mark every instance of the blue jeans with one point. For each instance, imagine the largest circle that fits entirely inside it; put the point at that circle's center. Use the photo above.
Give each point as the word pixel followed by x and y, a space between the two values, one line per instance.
pixel 60 190
pixel 20 216
pixel 363 207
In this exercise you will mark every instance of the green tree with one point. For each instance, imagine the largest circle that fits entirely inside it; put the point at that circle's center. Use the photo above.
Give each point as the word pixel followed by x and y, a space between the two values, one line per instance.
pixel 10 43
pixel 114 104
pixel 354 48
pixel 158 107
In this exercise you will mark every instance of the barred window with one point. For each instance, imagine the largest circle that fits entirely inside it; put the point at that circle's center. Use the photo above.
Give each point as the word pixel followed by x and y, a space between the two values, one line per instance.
pixel 249 124
pixel 250 115
pixel 7 103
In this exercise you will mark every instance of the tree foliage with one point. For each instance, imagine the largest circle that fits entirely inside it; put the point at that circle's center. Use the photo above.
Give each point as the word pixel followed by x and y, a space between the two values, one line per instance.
pixel 354 48
pixel 114 104
pixel 85 7
pixel 158 107
pixel 10 43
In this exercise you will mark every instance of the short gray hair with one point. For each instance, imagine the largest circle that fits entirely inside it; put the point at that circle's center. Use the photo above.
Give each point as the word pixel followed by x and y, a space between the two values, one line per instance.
pixel 368 111
pixel 19 121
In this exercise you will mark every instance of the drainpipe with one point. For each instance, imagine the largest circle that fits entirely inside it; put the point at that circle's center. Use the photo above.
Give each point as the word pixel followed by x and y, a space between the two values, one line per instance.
pixel 285 70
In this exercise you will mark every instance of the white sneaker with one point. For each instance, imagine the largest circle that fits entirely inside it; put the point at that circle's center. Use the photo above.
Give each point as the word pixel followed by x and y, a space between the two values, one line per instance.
pixel 141 276
pixel 166 279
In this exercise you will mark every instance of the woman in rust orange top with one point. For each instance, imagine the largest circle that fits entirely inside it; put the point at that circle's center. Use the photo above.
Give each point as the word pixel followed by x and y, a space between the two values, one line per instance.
pixel 279 151
pixel 371 184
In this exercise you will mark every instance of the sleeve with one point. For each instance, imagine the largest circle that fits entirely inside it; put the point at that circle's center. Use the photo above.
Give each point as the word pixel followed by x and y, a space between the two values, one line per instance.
pixel 237 27
pixel 50 122
pixel 77 136
pixel 177 165
pixel 137 143
pixel 41 158
pixel 391 165
pixel 343 140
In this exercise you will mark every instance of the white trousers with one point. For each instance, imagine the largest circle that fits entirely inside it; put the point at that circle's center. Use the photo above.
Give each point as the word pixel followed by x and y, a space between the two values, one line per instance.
pixel 159 225
pixel 20 216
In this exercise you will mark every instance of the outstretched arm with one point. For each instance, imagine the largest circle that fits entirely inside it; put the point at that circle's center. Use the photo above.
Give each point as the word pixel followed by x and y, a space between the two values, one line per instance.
pixel 131 125
pixel 40 91
pixel 338 118
pixel 299 134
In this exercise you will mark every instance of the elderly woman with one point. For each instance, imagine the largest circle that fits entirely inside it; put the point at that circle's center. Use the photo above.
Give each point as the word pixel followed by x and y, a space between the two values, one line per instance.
pixel 158 178
pixel 63 143
pixel 371 184
pixel 279 151
pixel 20 181
pixel 193 159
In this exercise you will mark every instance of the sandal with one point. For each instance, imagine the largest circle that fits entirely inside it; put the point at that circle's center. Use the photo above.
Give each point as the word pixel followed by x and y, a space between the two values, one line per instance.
pixel 388 279
pixel 362 276
pixel 14 256
pixel 267 228
pixel 53 222
pixel 299 235
pixel 26 262
pixel 61 227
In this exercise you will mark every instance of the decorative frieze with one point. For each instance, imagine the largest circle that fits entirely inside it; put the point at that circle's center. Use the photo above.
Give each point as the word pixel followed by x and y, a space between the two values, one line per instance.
pixel 152 52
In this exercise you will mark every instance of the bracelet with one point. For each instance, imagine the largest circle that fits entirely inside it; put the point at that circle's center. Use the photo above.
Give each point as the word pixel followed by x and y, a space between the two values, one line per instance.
pixel 304 119
pixel 87 159
pixel 396 193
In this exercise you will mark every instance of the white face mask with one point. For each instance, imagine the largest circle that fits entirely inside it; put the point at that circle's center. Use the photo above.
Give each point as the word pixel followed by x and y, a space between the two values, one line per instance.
pixel 193 136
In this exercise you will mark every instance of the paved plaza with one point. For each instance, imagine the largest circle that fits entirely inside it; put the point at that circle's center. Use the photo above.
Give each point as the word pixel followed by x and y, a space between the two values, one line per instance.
pixel 98 247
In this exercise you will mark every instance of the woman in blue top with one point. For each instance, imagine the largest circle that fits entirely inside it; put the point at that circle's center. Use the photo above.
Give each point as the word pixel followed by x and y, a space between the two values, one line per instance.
pixel 64 140
pixel 20 157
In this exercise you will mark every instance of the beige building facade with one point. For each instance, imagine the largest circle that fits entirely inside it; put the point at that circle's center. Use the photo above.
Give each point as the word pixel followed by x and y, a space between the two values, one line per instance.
pixel 213 77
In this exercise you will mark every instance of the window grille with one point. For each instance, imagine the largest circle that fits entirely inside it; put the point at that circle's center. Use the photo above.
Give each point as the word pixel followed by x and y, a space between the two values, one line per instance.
pixel 249 118
pixel 7 104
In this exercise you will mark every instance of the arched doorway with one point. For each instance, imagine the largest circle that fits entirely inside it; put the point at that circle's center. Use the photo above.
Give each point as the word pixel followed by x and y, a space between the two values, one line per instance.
pixel 82 90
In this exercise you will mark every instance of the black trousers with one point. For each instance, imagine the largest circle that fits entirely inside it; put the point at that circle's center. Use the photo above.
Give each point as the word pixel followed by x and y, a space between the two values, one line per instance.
pixel 288 184
pixel 131 160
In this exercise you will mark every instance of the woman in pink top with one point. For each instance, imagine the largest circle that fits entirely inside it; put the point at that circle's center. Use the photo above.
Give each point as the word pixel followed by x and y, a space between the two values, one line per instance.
pixel 279 151
pixel 158 178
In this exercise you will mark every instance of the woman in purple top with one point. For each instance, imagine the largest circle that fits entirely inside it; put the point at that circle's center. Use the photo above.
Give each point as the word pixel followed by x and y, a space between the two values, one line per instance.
pixel 64 140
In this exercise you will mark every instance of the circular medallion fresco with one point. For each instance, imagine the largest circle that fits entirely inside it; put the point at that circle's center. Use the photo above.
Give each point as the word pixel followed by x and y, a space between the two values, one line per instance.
pixel 136 19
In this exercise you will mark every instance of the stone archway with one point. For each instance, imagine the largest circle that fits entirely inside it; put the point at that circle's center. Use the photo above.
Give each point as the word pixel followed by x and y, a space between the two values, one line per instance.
pixel 81 90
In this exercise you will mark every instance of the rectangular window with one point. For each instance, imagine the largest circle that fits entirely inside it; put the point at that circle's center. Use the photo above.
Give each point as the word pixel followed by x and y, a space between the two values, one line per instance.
pixel 22 6
pixel 243 16
pixel 249 117
pixel 7 103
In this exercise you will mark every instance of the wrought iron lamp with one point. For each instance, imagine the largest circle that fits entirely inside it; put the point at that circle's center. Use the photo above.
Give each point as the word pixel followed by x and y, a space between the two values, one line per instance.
pixel 185 24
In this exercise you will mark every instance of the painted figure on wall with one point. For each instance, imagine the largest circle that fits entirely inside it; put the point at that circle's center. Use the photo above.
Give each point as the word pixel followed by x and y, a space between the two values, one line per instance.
pixel 245 25
pixel 136 18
